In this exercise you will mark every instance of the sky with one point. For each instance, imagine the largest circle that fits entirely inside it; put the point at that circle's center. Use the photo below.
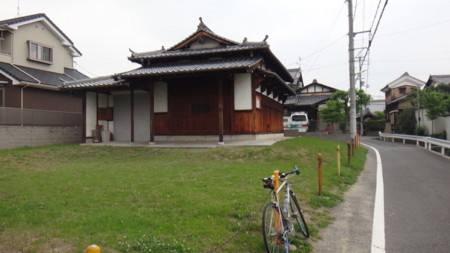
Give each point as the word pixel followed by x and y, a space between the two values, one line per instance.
pixel 413 36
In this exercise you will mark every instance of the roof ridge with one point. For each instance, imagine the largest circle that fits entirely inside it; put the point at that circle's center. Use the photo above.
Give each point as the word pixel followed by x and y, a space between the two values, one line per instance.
pixel 23 71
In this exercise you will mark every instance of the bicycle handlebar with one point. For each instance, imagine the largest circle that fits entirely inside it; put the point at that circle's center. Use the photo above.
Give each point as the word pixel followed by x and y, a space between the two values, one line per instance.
pixel 285 174
pixel 268 181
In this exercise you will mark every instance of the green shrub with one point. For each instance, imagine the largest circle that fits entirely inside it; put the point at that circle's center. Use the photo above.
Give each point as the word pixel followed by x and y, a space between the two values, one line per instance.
pixel 421 131
pixel 441 135
pixel 374 125
pixel 406 122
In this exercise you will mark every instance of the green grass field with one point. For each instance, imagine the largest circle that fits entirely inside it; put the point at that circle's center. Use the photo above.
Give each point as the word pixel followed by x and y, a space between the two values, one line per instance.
pixel 63 198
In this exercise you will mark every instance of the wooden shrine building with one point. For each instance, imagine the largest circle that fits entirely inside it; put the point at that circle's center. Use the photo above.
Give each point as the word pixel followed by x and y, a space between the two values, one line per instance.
pixel 205 88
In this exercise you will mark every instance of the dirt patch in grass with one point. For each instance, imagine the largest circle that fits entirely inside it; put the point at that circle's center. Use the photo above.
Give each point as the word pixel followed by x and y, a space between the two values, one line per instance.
pixel 29 242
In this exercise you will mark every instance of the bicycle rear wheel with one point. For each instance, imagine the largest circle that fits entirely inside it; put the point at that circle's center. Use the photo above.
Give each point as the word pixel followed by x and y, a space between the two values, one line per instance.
pixel 297 215
pixel 273 230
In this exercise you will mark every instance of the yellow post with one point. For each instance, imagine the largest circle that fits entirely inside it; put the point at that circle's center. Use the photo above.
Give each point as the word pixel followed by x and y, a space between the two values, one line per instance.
pixel 93 249
pixel 339 159
pixel 319 158
pixel 276 185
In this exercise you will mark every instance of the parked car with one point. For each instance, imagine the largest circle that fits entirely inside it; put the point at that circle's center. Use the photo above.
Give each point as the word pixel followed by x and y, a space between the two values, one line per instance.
pixel 287 122
pixel 300 121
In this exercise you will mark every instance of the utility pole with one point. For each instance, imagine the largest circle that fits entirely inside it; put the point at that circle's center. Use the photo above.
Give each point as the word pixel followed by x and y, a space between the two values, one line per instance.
pixel 351 55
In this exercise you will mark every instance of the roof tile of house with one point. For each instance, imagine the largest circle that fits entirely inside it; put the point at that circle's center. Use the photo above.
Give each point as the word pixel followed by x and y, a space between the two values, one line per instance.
pixel 191 67
pixel 104 81
pixel 166 53
pixel 437 79
pixel 30 75
pixel 306 100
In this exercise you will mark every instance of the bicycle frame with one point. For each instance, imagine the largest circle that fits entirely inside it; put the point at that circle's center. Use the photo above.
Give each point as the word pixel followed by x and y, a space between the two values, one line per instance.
pixel 276 200
pixel 282 216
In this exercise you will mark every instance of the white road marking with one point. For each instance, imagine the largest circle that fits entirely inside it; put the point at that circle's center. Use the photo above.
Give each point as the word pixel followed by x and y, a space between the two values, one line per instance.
pixel 378 236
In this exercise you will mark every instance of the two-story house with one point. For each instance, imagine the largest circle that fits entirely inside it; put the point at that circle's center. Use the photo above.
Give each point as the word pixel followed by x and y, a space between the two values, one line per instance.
pixel 36 58
pixel 396 93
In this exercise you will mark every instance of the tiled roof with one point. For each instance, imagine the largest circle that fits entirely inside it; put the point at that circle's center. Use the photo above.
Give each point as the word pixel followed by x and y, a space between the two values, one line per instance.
pixel 203 28
pixel 190 67
pixel 75 74
pixel 306 100
pixel 16 73
pixel 30 75
pixel 437 79
pixel 104 81
pixel 189 52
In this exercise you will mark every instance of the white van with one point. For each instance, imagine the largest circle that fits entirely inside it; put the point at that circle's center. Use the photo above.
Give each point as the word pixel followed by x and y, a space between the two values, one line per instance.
pixel 286 122
pixel 300 121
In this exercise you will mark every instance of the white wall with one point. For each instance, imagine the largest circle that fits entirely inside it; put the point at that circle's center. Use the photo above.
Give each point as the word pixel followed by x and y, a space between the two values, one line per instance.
pixel 141 116
pixel 91 112
pixel 160 90
pixel 122 107
pixel 243 91
pixel 434 126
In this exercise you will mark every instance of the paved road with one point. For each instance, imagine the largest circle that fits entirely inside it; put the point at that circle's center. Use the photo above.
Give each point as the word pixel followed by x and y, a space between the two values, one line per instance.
pixel 416 204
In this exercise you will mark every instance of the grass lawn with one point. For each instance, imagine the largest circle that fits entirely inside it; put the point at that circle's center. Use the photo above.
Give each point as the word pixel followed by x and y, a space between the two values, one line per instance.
pixel 63 198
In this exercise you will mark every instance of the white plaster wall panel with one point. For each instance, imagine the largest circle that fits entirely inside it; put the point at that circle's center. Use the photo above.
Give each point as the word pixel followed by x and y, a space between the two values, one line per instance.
pixel 160 92
pixel 141 116
pixel 102 100
pixel 122 109
pixel 243 91
pixel 91 112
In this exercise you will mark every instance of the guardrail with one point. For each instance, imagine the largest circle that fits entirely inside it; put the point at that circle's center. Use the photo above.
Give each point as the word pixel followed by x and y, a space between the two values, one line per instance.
pixel 428 142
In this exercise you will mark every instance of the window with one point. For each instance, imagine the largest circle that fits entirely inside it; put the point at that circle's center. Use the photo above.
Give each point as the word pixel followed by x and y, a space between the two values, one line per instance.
pixel 38 52
pixel 402 90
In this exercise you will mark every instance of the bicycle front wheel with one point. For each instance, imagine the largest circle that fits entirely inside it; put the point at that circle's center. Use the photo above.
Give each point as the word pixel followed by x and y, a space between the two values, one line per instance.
pixel 297 215
pixel 273 229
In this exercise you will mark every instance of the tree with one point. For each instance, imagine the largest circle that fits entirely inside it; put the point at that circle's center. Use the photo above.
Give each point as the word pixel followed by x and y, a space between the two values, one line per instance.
pixel 337 109
pixel 333 111
pixel 379 115
pixel 436 100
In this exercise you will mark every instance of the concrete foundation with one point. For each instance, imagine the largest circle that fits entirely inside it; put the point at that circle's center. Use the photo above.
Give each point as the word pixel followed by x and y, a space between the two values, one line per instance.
pixel 26 136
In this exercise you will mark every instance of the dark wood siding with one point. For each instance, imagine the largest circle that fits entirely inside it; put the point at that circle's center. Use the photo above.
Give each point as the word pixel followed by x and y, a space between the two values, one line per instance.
pixel 41 99
pixel 193 107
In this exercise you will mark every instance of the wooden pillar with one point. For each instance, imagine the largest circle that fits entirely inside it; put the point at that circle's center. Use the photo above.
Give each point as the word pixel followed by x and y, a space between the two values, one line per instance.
pixel 151 96
pixel 83 118
pixel 220 108
pixel 132 115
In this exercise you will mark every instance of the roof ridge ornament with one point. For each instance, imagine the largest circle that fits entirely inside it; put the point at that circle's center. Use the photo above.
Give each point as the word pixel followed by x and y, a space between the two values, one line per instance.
pixel 203 27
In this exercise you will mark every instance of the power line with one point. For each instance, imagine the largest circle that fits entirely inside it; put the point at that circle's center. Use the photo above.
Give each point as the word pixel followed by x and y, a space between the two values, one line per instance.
pixel 85 70
pixel 417 28
pixel 326 37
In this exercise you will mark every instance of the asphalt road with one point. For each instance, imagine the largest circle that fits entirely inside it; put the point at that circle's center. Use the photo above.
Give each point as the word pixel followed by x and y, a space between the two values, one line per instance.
pixel 416 204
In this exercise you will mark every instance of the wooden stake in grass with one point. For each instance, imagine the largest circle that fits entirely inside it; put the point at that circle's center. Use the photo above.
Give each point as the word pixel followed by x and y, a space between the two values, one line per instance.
pixel 349 151
pixel 353 146
pixel 276 185
pixel 319 158
pixel 339 159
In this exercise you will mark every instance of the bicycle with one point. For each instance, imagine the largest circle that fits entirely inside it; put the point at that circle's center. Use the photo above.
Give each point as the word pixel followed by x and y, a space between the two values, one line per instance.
pixel 282 219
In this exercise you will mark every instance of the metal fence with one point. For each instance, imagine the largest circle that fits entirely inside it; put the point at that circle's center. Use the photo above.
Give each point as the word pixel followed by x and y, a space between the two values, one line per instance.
pixel 32 117
pixel 427 142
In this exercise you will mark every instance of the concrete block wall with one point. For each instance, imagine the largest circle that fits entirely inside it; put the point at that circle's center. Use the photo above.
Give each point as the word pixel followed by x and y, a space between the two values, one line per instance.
pixel 27 136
